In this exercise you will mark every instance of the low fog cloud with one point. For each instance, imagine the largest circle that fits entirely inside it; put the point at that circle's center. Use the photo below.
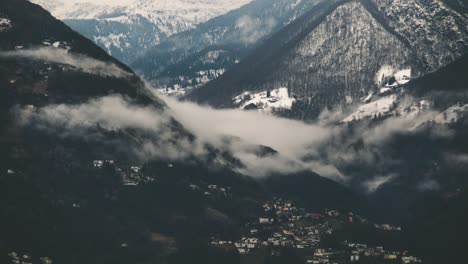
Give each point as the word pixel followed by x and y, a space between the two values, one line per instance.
pixel 150 127
pixel 111 112
pixel 284 135
pixel 319 147
pixel 374 184
pixel 324 147
pixel 246 132
pixel 428 185
pixel 62 56
pixel 290 138
pixel 253 29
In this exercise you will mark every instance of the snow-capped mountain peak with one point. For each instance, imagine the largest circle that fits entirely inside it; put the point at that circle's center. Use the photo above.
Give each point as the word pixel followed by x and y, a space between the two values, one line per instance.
pixel 192 11
pixel 126 28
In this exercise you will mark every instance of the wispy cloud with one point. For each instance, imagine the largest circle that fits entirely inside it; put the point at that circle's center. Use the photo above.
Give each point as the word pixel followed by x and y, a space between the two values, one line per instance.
pixel 253 29
pixel 319 147
pixel 374 184
pixel 62 56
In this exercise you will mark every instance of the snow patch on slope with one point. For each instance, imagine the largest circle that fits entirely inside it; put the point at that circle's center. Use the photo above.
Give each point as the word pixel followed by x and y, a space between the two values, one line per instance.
pixel 265 101
pixel 452 114
pixel 374 184
pixel 378 108
pixel 388 76
pixel 112 40
pixel 5 24
pixel 202 77
pixel 409 108
pixel 403 76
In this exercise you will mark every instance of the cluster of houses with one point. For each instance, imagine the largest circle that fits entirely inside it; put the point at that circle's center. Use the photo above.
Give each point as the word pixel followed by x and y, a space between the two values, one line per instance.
pixel 130 176
pixel 5 24
pixel 283 225
pixel 100 163
pixel 265 101
pixel 362 250
pixel 206 76
pixel 186 83
pixel 38 85
pixel 57 44
pixel 212 190
pixel 387 227
pixel 331 256
pixel 359 252
pixel 133 175
pixel 174 91
pixel 17 258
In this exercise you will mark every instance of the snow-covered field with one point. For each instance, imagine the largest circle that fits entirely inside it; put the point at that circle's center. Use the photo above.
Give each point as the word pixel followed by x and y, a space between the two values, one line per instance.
pixel 451 115
pixel 377 108
pixel 387 76
pixel 187 83
pixel 403 76
pixel 265 101
pixel 5 24
pixel 397 105
pixel 172 92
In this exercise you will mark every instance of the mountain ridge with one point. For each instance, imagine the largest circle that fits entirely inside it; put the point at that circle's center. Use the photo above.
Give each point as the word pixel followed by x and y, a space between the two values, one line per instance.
pixel 236 34
pixel 126 28
pixel 250 76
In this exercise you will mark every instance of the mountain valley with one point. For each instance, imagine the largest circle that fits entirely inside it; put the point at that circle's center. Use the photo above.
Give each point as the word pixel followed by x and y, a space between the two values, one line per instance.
pixel 263 131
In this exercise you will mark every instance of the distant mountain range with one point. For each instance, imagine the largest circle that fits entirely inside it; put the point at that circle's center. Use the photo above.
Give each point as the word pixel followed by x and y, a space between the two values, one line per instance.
pixel 125 29
pixel 197 56
pixel 341 50
pixel 272 44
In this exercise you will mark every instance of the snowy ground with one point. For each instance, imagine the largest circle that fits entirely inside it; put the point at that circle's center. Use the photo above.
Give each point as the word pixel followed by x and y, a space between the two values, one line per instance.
pixel 265 101
pixel 388 77
pixel 383 101
pixel 377 108
pixel 403 76
pixel 414 109
pixel 451 115
pixel 186 83
pixel 400 106
pixel 5 24
pixel 173 92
